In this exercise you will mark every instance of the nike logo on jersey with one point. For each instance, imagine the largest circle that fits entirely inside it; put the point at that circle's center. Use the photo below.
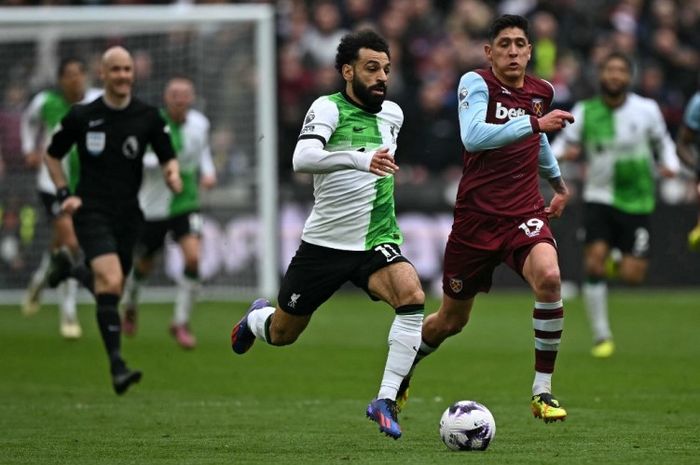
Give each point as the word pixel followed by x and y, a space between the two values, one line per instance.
pixel 95 122
pixel 359 128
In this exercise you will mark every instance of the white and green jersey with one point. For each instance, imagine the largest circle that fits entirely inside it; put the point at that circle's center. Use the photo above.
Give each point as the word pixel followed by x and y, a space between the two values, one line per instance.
pixel 353 208
pixel 619 144
pixel 39 120
pixel 191 143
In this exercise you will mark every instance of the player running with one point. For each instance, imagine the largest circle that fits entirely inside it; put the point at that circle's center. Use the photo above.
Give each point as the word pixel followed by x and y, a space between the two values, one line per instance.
pixel 175 213
pixel 348 142
pixel 38 122
pixel 618 132
pixel 500 215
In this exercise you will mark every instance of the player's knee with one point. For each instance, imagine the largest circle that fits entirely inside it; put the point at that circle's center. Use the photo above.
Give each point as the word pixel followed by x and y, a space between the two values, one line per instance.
pixel 192 268
pixel 548 281
pixel 108 283
pixel 595 268
pixel 411 296
pixel 192 264
pixel 634 278
pixel 72 245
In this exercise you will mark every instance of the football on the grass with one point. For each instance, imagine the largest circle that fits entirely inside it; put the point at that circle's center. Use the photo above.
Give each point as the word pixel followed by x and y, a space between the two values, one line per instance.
pixel 467 425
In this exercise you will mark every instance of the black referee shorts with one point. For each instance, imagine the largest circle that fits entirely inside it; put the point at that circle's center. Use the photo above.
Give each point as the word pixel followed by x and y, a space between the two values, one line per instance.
pixel 102 232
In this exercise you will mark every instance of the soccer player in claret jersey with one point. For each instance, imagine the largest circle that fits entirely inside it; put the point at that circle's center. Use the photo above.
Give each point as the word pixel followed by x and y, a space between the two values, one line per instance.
pixel 38 122
pixel 619 132
pixel 177 214
pixel 687 142
pixel 348 142
pixel 500 215
pixel 111 135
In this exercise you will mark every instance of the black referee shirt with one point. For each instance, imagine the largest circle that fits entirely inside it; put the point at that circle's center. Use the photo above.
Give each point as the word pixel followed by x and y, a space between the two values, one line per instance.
pixel 111 144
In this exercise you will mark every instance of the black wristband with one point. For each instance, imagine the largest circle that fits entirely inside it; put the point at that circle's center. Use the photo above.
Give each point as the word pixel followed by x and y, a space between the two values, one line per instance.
pixel 62 194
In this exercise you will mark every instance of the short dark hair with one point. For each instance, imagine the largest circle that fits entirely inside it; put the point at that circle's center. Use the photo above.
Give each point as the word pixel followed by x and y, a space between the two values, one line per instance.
pixel 66 62
pixel 506 21
pixel 617 55
pixel 351 44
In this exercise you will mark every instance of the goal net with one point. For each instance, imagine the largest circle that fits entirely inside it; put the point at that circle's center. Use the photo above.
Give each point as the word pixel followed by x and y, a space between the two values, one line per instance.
pixel 228 51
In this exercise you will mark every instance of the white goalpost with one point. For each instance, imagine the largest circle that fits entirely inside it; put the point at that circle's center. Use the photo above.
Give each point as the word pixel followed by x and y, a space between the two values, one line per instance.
pixel 229 52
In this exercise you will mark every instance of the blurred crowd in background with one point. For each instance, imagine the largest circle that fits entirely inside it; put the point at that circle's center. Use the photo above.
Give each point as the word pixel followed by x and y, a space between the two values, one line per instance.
pixel 432 44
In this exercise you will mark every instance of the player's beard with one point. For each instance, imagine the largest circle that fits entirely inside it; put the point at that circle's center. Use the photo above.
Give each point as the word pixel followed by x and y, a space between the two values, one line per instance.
pixel 365 95
pixel 613 92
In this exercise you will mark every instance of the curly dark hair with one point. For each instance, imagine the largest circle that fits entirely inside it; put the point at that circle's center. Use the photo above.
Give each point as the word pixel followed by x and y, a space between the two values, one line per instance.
pixel 351 44
pixel 66 62
pixel 506 21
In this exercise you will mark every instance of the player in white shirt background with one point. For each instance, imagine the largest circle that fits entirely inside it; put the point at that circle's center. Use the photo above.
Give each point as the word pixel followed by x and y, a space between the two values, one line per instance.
pixel 177 214
pixel 618 133
pixel 39 120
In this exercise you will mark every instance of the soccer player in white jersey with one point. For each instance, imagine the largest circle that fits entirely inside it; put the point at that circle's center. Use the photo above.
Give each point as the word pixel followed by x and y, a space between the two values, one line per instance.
pixel 178 214
pixel 348 143
pixel 618 132
pixel 39 120
pixel 687 142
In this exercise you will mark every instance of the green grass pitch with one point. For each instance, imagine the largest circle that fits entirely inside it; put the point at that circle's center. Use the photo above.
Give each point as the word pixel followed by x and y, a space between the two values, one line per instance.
pixel 305 404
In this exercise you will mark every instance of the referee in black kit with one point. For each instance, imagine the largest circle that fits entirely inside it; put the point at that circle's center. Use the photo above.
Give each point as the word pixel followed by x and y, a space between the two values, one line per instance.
pixel 111 135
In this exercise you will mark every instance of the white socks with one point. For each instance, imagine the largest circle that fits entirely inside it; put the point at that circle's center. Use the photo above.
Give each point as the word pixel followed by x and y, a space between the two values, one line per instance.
pixel 187 291
pixel 596 302
pixel 542 383
pixel 404 342
pixel 39 276
pixel 257 319
pixel 132 289
pixel 67 291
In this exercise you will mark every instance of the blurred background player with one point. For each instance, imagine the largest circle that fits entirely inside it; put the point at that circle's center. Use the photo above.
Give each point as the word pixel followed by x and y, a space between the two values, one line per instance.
pixel 618 131
pixel 687 142
pixel 111 134
pixel 38 123
pixel 500 215
pixel 175 213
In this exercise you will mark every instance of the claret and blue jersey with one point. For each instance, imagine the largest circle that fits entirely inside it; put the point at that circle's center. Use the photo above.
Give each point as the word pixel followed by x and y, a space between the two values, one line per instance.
pixel 503 153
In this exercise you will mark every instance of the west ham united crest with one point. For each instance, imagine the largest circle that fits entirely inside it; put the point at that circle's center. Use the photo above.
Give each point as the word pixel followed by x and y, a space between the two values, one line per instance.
pixel 537 106
pixel 456 285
